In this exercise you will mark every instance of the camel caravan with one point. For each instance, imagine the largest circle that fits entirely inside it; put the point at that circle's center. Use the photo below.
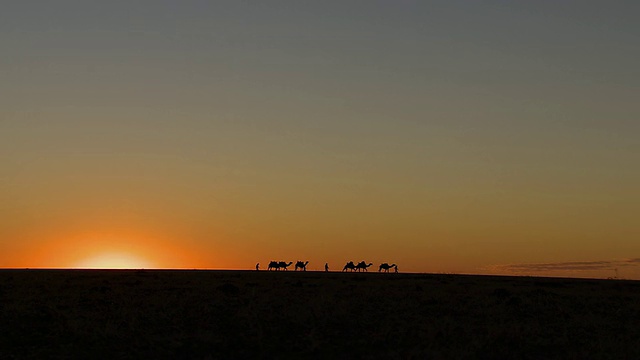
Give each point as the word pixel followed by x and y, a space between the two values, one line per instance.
pixel 279 265
pixel 362 266
pixel 282 265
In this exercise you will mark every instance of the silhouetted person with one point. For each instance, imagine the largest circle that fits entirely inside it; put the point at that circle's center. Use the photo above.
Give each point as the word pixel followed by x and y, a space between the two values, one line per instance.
pixel 396 269
pixel 326 267
pixel 257 266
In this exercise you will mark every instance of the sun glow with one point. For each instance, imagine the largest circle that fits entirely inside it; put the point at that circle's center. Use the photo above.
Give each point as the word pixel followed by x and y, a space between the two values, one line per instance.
pixel 109 250
pixel 113 261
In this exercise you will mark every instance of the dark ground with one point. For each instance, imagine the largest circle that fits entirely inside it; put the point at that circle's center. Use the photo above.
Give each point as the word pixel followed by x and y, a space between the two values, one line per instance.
pixel 155 314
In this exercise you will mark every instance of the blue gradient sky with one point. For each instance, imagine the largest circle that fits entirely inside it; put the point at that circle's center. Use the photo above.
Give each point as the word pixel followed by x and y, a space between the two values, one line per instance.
pixel 446 136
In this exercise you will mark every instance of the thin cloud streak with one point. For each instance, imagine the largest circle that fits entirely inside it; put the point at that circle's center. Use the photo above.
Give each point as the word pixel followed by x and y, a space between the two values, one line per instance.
pixel 566 266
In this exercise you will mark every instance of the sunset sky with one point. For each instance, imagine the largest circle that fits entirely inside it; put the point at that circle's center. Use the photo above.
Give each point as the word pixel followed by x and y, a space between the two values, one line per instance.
pixel 483 137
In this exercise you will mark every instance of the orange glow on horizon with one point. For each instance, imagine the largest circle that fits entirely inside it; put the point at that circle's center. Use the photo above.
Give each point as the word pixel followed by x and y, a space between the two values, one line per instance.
pixel 108 251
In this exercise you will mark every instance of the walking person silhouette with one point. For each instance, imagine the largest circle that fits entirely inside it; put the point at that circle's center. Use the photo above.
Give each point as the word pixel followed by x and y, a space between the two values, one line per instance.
pixel 326 267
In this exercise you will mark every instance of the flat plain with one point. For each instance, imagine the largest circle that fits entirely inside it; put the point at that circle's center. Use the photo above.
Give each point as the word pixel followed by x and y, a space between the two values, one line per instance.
pixel 194 314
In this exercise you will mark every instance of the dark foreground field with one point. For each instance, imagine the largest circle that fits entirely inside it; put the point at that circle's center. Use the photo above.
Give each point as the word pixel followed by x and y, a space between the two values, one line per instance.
pixel 221 314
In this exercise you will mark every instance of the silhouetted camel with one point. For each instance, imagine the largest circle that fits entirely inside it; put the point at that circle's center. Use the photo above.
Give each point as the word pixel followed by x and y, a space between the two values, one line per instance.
pixel 385 267
pixel 301 265
pixel 363 266
pixel 273 265
pixel 283 265
pixel 350 265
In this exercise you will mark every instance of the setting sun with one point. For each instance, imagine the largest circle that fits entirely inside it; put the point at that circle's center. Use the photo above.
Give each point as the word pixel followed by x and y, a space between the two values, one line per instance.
pixel 114 261
pixel 102 249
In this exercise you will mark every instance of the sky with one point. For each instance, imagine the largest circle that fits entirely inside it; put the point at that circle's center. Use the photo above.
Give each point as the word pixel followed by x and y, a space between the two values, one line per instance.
pixel 481 137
